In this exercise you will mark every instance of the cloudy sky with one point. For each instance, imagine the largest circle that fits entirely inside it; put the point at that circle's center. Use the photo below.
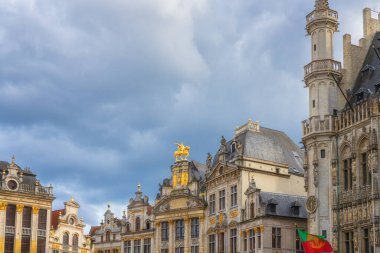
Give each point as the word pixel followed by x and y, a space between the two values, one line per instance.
pixel 94 93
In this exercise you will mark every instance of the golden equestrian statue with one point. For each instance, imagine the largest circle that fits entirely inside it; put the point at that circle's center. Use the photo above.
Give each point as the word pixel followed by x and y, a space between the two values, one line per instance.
pixel 182 152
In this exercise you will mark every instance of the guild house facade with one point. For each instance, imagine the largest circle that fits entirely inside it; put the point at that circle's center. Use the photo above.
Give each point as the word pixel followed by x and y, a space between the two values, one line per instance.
pixel 25 209
pixel 341 133
pixel 249 198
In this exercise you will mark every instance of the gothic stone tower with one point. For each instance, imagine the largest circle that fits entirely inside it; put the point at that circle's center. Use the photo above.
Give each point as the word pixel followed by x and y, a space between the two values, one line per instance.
pixel 318 133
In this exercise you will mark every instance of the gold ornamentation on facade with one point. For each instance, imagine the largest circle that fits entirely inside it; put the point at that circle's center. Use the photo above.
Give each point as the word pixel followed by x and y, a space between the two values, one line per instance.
pixel 234 213
pixel 35 209
pixel 182 152
pixel 3 206
pixel 311 204
pixel 261 228
pixel 33 246
pixel 17 247
pixel 221 218
pixel 19 208
pixel 212 220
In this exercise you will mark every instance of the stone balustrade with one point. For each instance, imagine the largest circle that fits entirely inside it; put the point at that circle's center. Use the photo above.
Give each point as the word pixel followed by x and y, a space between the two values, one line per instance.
pixel 322 66
pixel 322 14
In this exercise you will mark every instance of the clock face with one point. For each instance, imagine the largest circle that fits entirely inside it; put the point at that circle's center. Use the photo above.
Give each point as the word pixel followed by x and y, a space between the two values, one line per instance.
pixel 12 185
pixel 311 204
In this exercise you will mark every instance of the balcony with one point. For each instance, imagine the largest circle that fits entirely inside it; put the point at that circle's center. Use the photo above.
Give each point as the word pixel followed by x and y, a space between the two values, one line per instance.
pixel 319 125
pixel 362 193
pixel 322 66
pixel 322 15
pixel 40 190
pixel 41 232
pixel 10 230
pixel 26 231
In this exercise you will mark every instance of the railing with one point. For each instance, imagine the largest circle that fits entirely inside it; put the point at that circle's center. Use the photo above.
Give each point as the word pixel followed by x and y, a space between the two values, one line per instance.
pixel 36 189
pixel 322 14
pixel 323 65
pixel 319 124
pixel 26 231
pixel 360 194
pixel 41 232
pixel 10 230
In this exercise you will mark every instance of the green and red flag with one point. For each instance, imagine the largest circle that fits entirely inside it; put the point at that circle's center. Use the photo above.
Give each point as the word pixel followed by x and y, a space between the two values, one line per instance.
pixel 314 243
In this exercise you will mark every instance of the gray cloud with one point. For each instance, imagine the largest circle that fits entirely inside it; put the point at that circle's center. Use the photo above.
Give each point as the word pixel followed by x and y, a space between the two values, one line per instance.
pixel 93 94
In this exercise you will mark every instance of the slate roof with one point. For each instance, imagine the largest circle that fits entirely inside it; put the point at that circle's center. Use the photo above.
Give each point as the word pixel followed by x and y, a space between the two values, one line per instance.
pixel 269 145
pixel 368 79
pixel 284 204
pixel 55 217
pixel 28 176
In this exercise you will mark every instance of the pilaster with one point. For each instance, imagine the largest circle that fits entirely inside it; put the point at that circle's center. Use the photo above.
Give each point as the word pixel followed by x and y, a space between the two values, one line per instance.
pixel 201 233
pixel 18 228
pixel 187 234
pixel 3 213
pixel 171 236
pixel 33 242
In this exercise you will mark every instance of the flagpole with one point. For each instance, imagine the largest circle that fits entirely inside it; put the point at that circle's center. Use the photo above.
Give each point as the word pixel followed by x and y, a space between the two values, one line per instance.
pixel 373 202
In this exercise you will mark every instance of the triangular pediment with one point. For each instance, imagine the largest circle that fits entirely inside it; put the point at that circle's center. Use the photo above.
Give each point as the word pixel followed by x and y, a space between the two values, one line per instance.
pixel 220 169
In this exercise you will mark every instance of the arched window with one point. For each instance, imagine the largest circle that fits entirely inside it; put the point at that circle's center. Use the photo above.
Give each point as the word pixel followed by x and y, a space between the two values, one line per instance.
pixel 128 227
pixel 65 239
pixel 137 225
pixel 147 224
pixel 75 240
pixel 108 236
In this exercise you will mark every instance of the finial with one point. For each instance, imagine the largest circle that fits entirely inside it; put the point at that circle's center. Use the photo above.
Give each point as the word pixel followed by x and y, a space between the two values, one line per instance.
pixel 13 159
pixel 109 206
pixel 72 199
pixel 321 5
pixel 139 188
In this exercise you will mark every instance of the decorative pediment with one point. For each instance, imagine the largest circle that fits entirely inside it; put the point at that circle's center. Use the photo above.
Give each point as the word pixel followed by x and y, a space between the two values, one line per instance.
pixel 220 169
pixel 179 202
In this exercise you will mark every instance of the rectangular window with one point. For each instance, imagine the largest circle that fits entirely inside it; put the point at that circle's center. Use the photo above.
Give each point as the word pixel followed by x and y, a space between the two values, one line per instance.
pixel 323 153
pixel 348 242
pixel 212 204
pixel 25 244
pixel 221 242
pixel 164 250
pixel 259 239
pixel 164 231
pixel 211 243
pixel 180 230
pixel 252 240
pixel 366 175
pixel 27 217
pixel 347 174
pixel 276 238
pixel 147 245
pixel 42 218
pixel 366 241
pixel 41 244
pixel 127 247
pixel 222 199
pixel 136 246
pixel 299 248
pixel 233 240
pixel 234 195
pixel 179 250
pixel 11 215
pixel 9 243
pixel 194 228
pixel 195 249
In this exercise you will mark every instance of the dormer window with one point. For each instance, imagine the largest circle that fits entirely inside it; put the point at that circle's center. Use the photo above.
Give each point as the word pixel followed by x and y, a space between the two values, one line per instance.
pixel 272 206
pixel 137 225
pixel 128 227
pixel 295 208
pixel 147 224
pixel 233 147
pixel 367 71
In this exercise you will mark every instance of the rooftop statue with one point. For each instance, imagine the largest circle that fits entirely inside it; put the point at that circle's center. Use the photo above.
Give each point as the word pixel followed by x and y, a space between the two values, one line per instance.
pixel 321 5
pixel 182 152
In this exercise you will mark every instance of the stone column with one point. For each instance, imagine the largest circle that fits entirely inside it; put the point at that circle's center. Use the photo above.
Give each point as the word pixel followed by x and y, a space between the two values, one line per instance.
pixel 187 234
pixel 18 228
pixel 202 235
pixel 33 242
pixel 171 236
pixel 256 229
pixel 3 214
pixel 158 237
pixel 48 230
pixel 262 237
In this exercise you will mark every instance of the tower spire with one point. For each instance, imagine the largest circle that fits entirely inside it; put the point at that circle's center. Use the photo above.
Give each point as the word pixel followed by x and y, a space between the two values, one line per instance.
pixel 321 5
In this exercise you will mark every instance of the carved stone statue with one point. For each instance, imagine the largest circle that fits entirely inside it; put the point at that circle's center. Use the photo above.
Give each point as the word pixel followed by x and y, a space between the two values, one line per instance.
pixel 209 160
pixel 316 175
pixel 223 145
pixel 321 5
pixel 334 176
pixel 306 177
pixel 239 148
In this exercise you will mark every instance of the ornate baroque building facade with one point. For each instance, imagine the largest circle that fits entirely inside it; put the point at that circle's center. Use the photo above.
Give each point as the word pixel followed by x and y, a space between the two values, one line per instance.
pixel 341 134
pixel 66 232
pixel 249 198
pixel 25 209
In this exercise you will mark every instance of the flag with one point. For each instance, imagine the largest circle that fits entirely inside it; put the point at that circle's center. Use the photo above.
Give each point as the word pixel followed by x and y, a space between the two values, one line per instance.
pixel 314 243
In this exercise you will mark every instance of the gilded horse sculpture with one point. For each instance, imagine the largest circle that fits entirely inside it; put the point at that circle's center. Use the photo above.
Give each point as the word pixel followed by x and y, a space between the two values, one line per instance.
pixel 182 152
